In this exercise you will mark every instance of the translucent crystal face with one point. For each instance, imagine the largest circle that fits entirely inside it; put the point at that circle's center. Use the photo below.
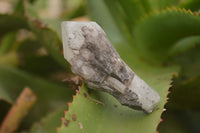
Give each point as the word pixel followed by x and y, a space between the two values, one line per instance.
pixel 93 57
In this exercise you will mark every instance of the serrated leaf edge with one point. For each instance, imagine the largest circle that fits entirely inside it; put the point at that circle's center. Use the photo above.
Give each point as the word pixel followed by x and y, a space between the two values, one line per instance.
pixel 166 10
pixel 63 119
pixel 174 75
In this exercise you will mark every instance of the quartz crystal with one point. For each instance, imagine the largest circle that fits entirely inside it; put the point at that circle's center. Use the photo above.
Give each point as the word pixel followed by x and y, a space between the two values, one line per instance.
pixel 93 57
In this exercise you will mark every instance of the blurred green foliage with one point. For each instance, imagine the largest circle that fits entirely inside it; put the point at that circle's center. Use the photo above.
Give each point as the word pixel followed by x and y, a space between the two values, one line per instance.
pixel 156 38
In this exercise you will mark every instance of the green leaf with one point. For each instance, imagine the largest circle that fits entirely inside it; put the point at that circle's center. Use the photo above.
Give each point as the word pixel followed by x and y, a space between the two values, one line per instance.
pixel 10 58
pixel 46 36
pixel 7 42
pixel 156 34
pixel 186 94
pixel 4 95
pixel 193 5
pixel 74 9
pixel 50 40
pixel 101 14
pixel 49 123
pixel 43 66
pixel 10 23
pixel 162 4
pixel 184 44
pixel 91 115
pixel 18 9
pixel 173 123
pixel 190 63
pixel 129 11
pixel 186 87
pixel 12 81
pixel 114 119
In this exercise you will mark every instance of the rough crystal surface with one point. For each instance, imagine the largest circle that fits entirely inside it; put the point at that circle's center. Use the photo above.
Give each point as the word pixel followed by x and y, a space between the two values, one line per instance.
pixel 93 57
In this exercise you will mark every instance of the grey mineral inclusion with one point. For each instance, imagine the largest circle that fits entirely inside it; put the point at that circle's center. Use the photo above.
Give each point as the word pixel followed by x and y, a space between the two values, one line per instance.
pixel 93 57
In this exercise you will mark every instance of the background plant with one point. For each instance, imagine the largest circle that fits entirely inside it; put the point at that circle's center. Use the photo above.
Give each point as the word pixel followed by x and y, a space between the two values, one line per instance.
pixel 158 39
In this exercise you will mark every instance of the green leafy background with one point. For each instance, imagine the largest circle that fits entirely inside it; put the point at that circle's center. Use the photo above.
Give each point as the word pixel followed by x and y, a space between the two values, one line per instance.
pixel 158 39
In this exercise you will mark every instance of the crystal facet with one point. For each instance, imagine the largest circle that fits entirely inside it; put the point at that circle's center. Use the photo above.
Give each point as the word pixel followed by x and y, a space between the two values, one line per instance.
pixel 93 57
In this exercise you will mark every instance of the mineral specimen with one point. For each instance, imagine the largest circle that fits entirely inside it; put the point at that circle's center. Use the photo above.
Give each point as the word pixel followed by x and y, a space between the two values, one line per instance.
pixel 93 57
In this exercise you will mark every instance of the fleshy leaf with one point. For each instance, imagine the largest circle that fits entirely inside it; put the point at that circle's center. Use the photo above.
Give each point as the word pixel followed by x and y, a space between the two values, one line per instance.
pixel 114 117
pixel 106 20
pixel 12 81
pixel 193 5
pixel 185 44
pixel 10 23
pixel 156 34
pixel 162 4
pixel 6 42
pixel 185 90
pixel 186 94
pixel 129 11
pixel 4 95
pixel 50 40
pixel 49 123
pixel 172 124
pixel 91 114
